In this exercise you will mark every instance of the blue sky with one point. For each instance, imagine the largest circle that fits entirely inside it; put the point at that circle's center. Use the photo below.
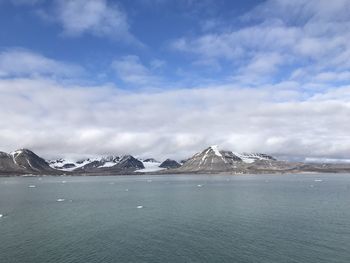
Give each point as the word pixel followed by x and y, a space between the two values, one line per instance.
pixel 145 30
pixel 161 77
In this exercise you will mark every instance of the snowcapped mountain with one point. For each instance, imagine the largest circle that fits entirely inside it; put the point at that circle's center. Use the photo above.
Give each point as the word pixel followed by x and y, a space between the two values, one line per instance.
pixel 100 164
pixel 24 161
pixel 214 160
pixel 252 157
pixel 113 162
pixel 150 165
pixel 71 165
pixel 211 160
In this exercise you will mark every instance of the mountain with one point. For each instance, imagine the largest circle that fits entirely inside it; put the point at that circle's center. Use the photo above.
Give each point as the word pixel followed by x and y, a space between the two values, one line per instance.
pixel 252 157
pixel 150 160
pixel 108 164
pixel 84 164
pixel 103 165
pixel 129 162
pixel 8 166
pixel 213 160
pixel 150 165
pixel 169 164
pixel 24 161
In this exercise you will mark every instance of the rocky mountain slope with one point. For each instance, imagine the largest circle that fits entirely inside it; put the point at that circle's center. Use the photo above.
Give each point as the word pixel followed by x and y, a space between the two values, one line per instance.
pixel 211 160
pixel 112 165
pixel 214 160
pixel 170 164
pixel 106 165
pixel 24 161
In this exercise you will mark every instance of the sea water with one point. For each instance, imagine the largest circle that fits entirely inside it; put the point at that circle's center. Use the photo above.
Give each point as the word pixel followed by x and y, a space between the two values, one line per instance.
pixel 176 218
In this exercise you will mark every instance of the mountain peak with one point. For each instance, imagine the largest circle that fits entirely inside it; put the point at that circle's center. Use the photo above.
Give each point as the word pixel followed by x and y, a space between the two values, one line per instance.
pixel 215 148
pixel 26 161
pixel 21 151
pixel 169 164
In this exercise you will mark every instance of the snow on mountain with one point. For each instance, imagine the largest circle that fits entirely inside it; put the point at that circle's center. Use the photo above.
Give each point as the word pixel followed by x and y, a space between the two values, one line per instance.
pixel 216 150
pixel 68 165
pixel 252 157
pixel 213 159
pixel 24 161
pixel 151 165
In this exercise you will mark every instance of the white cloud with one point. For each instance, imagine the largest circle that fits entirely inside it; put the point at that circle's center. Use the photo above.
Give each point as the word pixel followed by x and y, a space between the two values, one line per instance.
pixel 260 68
pixel 75 120
pixel 157 63
pixel 131 70
pixel 304 44
pixel 20 62
pixel 310 37
pixel 102 18
pixel 99 18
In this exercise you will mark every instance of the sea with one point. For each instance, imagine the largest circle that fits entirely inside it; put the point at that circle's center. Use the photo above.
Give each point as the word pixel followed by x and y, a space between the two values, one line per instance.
pixel 176 218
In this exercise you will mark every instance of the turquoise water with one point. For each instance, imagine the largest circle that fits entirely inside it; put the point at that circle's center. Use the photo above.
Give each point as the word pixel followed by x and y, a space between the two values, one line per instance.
pixel 264 218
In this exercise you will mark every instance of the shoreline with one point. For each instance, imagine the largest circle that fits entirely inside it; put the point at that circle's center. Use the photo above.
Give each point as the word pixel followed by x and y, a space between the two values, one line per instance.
pixel 172 174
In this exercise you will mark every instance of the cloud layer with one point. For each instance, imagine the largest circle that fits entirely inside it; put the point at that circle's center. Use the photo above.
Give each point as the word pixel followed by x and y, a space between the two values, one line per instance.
pixel 273 79
pixel 77 120
pixel 20 63
pixel 279 39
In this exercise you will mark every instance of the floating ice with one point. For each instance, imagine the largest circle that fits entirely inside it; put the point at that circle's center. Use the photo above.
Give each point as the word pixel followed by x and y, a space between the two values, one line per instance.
pixel 1 215
pixel 126 190
pixel 31 186
pixel 139 206
pixel 60 200
pixel 63 182
pixel 149 181
pixel 318 180
pixel 199 185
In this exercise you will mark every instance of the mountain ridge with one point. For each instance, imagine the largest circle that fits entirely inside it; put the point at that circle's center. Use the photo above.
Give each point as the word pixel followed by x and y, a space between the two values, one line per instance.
pixel 211 160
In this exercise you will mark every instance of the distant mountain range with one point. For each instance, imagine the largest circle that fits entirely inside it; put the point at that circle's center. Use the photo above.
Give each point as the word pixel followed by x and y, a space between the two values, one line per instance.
pixel 211 160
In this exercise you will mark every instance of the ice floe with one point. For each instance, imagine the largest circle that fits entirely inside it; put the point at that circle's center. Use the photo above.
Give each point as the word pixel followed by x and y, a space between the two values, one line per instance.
pixel 31 186
pixel 139 206
pixel 60 200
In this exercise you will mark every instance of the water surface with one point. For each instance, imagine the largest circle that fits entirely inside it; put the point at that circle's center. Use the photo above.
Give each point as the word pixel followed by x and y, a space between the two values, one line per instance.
pixel 176 218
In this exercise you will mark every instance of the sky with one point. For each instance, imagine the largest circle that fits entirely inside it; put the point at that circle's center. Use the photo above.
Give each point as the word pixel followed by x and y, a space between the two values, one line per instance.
pixel 167 78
